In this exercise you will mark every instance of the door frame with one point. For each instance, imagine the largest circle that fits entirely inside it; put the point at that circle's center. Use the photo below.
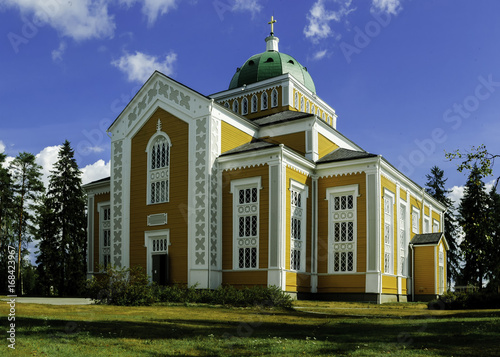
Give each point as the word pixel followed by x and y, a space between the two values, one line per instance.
pixel 149 236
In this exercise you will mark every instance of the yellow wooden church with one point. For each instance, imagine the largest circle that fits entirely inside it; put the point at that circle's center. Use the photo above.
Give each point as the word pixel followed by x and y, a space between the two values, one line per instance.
pixel 254 185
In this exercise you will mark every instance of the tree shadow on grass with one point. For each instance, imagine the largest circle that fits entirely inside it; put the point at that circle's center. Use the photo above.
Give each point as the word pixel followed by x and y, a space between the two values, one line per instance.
pixel 450 335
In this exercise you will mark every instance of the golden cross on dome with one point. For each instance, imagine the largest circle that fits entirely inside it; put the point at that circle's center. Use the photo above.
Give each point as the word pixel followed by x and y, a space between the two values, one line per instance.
pixel 272 24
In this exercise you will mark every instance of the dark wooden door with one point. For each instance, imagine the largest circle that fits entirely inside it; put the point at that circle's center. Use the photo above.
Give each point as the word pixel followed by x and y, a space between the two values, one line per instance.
pixel 160 269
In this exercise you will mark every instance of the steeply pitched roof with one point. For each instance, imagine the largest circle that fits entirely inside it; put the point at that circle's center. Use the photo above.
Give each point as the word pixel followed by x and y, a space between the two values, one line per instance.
pixel 285 116
pixel 341 154
pixel 427 238
pixel 256 144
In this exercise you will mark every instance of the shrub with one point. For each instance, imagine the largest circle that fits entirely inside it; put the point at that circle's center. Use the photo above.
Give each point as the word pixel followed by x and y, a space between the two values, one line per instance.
pixel 120 286
pixel 466 300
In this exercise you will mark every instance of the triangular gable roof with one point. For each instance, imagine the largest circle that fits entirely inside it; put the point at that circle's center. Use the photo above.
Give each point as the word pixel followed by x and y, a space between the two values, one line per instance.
pixel 342 154
pixel 429 239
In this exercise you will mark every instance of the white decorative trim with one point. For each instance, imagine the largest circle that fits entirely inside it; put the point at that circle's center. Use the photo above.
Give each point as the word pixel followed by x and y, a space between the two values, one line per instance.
pixel 149 236
pixel 300 214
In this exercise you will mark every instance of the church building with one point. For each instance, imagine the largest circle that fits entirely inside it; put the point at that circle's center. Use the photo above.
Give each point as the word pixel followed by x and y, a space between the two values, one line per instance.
pixel 254 185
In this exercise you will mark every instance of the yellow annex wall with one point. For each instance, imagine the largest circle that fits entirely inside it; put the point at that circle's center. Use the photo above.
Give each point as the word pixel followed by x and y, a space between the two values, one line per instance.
pixel 298 281
pixel 232 137
pixel 244 277
pixel 424 270
pixel 178 132
pixel 341 283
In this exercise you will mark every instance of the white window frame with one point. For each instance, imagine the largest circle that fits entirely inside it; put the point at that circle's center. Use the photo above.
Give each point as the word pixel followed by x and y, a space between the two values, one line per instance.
pixel 296 99
pixel 254 104
pixel 236 106
pixel 298 214
pixel 302 103
pixel 435 225
pixel 388 199
pixel 333 246
pixel 244 106
pixel 104 209
pixel 308 107
pixel 318 112
pixel 426 228
pixel 252 241
pixel 160 174
pixel 415 218
pixel 226 105
pixel 264 101
pixel 274 98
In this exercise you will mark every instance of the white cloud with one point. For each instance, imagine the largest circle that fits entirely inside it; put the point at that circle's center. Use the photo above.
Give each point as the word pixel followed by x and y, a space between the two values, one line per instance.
pixel 77 19
pixel 152 8
pixel 319 18
pixel 2 147
pixel 247 5
pixel 457 192
pixel 392 7
pixel 96 171
pixel 140 66
pixel 320 54
pixel 57 54
pixel 47 158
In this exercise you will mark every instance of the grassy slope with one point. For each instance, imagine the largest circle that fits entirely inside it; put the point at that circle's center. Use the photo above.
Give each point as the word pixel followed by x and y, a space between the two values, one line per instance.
pixel 316 328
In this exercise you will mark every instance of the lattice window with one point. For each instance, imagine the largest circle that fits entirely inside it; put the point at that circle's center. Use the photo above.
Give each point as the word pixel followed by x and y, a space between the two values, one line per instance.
pixel 388 234
pixel 312 109
pixel 302 104
pixel 254 103
pixel 159 169
pixel 105 233
pixel 342 235
pixel 435 226
pixel 414 221
pixel 318 113
pixel 159 245
pixel 426 225
pixel 297 228
pixel 246 232
pixel 296 100
pixel 264 101
pixel 307 107
pixel 226 105
pixel 274 98
pixel 244 106
pixel 402 239
pixel 236 106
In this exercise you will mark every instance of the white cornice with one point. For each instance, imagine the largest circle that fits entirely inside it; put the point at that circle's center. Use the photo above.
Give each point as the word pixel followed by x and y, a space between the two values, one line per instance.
pixel 339 168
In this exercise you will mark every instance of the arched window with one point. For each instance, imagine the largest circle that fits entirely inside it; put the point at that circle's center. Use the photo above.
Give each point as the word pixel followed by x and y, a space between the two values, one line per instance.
pixel 274 98
pixel 254 103
pixel 244 106
pixel 236 106
pixel 226 104
pixel 158 151
pixel 307 107
pixel 263 101
pixel 302 104
pixel 312 109
pixel 318 113
pixel 296 100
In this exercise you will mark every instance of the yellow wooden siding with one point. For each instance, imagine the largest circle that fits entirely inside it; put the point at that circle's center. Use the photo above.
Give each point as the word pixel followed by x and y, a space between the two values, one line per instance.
pixel 389 284
pixel 348 283
pixel 325 146
pixel 414 203
pixel 436 216
pixel 403 194
pixel 232 137
pixel 295 141
pixel 105 197
pixel 227 215
pixel 244 278
pixel 338 282
pixel 425 270
pixel 298 282
pixel 176 208
pixel 404 290
pixel 426 210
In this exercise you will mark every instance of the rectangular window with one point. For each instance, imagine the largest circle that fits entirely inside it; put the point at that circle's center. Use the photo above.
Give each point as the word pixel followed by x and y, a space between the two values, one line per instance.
pixel 414 220
pixel 105 236
pixel 246 222
pixel 402 239
pixel 435 226
pixel 342 229
pixel 388 233
pixel 298 196
pixel 441 270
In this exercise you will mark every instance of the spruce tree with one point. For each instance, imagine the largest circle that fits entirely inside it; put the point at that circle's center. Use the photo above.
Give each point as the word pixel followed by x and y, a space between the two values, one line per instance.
pixel 474 219
pixel 27 187
pixel 66 201
pixel 436 188
pixel 6 217
pixel 493 274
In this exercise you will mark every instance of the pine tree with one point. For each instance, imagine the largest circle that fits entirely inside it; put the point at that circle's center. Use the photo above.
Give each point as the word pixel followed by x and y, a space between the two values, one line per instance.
pixel 27 187
pixel 474 219
pixel 493 274
pixel 66 208
pixel 6 217
pixel 436 188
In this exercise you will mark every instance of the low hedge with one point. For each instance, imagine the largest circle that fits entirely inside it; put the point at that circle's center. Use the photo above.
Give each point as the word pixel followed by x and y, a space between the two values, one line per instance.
pixel 466 300
pixel 131 287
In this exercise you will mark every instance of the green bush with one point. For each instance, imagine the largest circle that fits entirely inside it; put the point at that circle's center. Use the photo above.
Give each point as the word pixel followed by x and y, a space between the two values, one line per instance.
pixel 466 300
pixel 122 287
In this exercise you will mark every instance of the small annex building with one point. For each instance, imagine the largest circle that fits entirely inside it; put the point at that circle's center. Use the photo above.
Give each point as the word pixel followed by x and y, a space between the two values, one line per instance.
pixel 254 185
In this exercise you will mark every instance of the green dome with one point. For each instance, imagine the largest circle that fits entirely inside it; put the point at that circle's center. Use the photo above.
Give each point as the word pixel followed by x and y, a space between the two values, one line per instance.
pixel 270 64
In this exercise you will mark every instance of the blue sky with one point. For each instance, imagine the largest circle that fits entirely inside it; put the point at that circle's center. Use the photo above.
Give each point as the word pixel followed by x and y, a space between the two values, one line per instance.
pixel 408 79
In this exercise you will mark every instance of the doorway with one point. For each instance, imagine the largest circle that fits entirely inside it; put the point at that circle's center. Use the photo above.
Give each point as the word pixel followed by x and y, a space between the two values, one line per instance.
pixel 160 273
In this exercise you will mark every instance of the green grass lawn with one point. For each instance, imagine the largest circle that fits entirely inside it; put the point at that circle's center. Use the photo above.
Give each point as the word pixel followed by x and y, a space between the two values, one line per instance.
pixel 314 328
